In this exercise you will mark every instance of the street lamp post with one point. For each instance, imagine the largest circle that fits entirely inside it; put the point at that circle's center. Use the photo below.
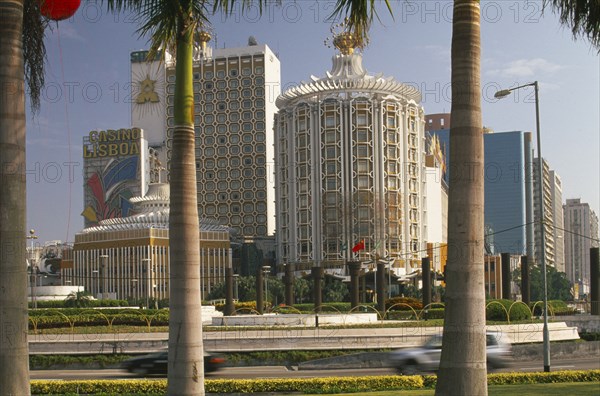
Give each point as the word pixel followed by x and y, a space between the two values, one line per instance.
pixel 134 283
pixel 235 282
pixel 147 291
pixel 96 274
pixel 32 267
pixel 266 270
pixel 546 335
pixel 103 260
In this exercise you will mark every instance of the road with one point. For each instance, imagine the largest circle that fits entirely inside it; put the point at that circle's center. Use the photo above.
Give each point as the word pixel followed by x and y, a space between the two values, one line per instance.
pixel 285 372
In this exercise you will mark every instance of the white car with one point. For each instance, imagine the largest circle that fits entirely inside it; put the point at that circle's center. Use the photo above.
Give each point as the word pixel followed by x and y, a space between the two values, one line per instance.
pixel 410 361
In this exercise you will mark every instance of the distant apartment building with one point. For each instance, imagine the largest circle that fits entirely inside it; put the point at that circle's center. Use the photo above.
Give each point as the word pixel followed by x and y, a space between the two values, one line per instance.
pixel 547 249
pixel 559 221
pixel 581 225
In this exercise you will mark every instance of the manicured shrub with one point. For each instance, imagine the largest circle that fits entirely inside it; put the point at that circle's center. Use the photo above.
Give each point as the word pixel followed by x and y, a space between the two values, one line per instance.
pixel 403 304
pixel 499 310
pixel 433 313
pixel 555 307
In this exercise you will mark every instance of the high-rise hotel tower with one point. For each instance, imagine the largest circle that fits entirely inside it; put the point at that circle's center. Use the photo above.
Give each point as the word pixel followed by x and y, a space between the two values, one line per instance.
pixel 350 158
pixel 234 106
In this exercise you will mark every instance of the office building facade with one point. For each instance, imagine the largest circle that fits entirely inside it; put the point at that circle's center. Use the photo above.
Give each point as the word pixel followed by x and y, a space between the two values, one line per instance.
pixel 508 189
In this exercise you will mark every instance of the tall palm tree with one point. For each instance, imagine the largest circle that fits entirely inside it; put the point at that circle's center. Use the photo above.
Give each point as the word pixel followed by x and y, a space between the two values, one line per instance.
pixel 18 52
pixel 173 25
pixel 463 361
pixel 14 366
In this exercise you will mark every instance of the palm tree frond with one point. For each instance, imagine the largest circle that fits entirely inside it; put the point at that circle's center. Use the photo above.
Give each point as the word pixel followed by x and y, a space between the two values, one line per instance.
pixel 34 50
pixel 581 16
pixel 359 15
pixel 227 6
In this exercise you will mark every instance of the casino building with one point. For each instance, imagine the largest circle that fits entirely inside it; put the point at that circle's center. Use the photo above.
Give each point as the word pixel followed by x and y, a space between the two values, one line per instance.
pixel 128 257
pixel 350 164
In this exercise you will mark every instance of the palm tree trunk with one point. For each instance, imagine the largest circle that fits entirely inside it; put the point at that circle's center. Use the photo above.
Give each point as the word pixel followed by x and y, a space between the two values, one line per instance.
pixel 186 357
pixel 463 361
pixel 14 352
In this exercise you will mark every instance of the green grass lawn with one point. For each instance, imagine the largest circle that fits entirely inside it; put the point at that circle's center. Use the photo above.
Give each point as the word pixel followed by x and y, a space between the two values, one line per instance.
pixel 563 389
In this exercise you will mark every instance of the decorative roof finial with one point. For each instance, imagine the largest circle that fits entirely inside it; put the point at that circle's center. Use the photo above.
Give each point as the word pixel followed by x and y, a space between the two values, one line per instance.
pixel 203 36
pixel 345 41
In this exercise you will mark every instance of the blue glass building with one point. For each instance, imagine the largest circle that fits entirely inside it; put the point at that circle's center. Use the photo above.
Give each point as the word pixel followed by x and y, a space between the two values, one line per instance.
pixel 508 188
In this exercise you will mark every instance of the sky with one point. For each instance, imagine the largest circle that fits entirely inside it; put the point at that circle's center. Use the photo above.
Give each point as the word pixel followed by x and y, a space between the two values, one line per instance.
pixel 88 84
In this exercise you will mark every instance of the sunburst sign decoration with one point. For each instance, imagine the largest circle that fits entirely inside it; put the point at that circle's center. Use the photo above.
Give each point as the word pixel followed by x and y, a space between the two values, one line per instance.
pixel 147 92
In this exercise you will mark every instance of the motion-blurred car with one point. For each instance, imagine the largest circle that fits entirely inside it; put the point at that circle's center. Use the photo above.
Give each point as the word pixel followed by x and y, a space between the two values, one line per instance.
pixel 156 363
pixel 426 358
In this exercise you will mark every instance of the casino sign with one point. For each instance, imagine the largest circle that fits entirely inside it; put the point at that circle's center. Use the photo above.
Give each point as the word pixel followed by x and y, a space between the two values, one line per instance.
pixel 112 143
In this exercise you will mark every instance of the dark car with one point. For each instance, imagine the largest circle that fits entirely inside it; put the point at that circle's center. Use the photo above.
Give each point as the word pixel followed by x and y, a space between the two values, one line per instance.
pixel 157 363
pixel 426 358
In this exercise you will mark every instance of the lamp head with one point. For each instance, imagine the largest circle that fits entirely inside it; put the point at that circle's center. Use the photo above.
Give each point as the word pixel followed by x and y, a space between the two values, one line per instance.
pixel 501 94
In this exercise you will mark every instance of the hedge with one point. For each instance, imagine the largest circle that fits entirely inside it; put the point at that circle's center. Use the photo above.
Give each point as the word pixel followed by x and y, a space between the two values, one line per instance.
pixel 89 317
pixel 304 385
pixel 91 303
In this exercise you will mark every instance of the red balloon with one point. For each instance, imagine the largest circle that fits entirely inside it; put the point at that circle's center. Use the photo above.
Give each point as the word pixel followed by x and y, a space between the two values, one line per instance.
pixel 58 10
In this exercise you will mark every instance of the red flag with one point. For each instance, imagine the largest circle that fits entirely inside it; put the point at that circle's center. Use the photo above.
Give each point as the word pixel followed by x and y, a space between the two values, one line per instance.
pixel 359 246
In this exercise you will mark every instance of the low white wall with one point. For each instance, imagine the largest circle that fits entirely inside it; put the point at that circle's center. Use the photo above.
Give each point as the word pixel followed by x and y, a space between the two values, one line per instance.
pixel 50 293
pixel 295 319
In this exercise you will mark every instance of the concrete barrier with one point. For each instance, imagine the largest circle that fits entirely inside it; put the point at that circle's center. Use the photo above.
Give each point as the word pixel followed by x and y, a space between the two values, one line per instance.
pixel 308 320
pixel 275 338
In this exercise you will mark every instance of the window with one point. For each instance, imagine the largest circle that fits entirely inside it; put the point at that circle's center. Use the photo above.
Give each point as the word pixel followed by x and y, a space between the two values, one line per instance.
pixel 361 119
pixel 330 121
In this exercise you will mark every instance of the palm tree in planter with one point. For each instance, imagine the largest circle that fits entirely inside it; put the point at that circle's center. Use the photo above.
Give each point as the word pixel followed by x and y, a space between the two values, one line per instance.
pixel 78 299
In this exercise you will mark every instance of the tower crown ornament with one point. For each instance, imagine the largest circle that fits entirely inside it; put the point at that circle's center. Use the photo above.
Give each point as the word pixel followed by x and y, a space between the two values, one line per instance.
pixel 342 39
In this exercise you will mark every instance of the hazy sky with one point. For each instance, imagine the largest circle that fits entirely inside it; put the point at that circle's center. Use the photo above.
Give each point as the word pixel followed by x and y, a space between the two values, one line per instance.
pixel 88 84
